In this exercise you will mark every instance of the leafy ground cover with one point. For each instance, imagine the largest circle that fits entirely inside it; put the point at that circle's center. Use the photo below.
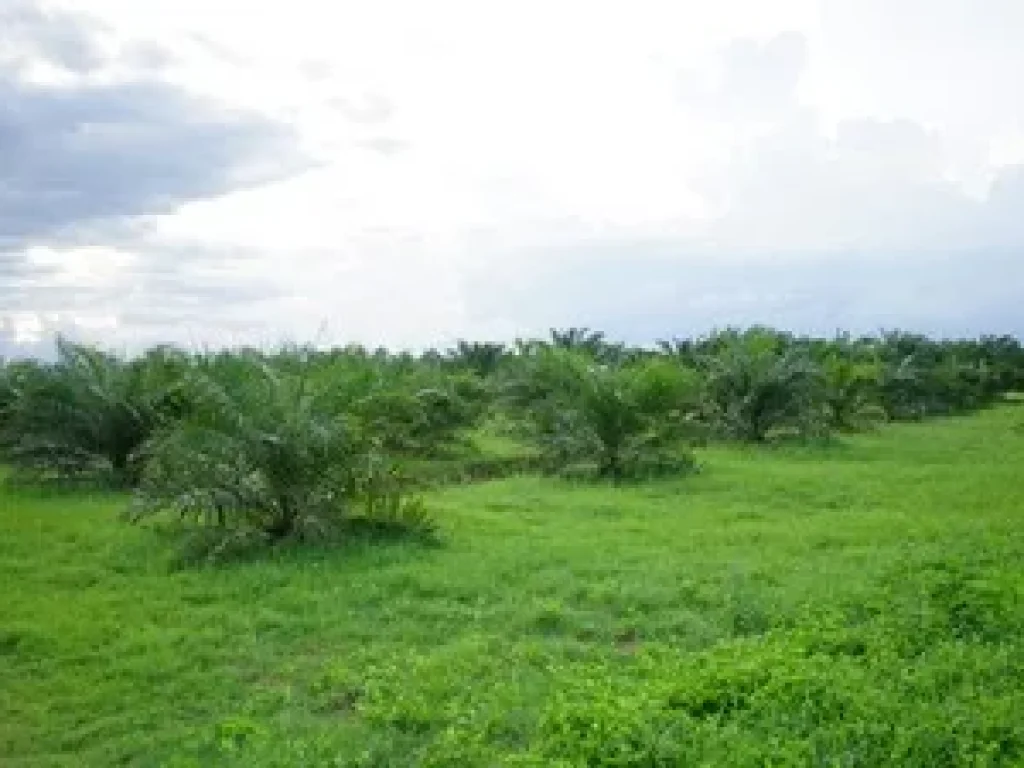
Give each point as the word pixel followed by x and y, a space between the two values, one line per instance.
pixel 852 605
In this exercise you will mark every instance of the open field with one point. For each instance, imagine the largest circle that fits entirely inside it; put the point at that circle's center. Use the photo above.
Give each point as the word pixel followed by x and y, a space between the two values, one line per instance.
pixel 858 605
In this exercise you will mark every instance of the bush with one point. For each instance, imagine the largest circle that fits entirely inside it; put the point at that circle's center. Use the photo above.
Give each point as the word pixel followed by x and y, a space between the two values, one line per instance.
pixel 593 407
pixel 87 416
pixel 612 421
pixel 419 413
pixel 757 388
pixel 851 392
pixel 262 455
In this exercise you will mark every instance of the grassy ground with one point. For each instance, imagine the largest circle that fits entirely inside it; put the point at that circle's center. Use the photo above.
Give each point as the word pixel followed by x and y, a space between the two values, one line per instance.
pixel 853 606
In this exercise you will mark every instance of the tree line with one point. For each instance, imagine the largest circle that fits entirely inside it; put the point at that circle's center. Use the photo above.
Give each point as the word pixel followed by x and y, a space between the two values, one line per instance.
pixel 288 442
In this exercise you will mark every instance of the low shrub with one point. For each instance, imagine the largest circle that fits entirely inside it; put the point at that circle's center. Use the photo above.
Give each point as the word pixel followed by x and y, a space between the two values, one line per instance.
pixel 615 421
pixel 261 456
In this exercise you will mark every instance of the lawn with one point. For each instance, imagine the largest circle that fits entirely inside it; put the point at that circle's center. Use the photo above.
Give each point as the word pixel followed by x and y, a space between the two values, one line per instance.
pixel 857 605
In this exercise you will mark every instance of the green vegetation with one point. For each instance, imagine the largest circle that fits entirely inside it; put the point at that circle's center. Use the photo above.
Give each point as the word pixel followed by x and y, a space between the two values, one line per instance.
pixel 857 605
pixel 260 455
pixel 313 579
pixel 88 416
pixel 757 386
pixel 607 421
pixel 585 406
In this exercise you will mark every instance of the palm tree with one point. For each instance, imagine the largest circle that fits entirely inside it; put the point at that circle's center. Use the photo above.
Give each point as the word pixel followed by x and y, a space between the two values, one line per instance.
pixel 89 414
pixel 851 390
pixel 481 357
pixel 753 388
pixel 623 420
pixel 259 450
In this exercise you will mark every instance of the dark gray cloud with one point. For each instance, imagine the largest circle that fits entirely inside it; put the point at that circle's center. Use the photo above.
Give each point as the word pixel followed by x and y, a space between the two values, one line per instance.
pixel 91 150
pixel 71 156
pixel 89 158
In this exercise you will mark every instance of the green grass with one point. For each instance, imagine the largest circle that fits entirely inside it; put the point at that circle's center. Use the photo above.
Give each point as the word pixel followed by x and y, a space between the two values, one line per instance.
pixel 858 605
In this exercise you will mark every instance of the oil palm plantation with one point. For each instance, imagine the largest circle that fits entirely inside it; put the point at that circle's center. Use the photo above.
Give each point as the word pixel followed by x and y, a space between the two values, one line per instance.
pixel 88 415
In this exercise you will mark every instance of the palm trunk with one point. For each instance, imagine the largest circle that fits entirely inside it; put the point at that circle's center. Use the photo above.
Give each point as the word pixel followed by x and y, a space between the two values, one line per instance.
pixel 283 523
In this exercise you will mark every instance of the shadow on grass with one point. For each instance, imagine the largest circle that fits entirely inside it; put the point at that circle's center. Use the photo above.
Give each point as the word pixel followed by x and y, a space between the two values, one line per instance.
pixel 44 487
pixel 177 546
pixel 461 471
pixel 837 446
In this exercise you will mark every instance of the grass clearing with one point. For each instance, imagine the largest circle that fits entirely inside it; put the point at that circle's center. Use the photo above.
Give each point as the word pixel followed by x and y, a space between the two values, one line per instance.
pixel 855 605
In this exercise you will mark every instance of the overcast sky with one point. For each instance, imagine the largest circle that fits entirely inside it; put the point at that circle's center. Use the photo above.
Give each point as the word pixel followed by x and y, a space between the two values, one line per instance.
pixel 217 171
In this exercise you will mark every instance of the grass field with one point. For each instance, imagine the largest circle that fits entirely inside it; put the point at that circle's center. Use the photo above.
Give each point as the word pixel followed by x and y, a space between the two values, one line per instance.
pixel 858 605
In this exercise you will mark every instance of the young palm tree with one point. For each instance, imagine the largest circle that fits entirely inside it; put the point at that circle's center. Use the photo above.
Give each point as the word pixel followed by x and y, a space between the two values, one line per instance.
pixel 851 394
pixel 88 415
pixel 753 388
pixel 620 420
pixel 481 357
pixel 254 451
pixel 592 343
pixel 265 452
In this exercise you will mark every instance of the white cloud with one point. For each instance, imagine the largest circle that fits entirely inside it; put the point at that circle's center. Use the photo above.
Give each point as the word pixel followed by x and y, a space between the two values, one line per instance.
pixel 464 151
pixel 85 266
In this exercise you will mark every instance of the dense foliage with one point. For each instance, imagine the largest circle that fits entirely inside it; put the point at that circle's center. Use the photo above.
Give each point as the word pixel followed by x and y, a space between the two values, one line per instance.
pixel 758 386
pixel 791 607
pixel 857 607
pixel 256 452
pixel 283 442
pixel 88 415
pixel 607 419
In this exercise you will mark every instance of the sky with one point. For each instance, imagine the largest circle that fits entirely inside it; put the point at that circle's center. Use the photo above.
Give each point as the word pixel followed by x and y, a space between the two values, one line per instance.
pixel 220 172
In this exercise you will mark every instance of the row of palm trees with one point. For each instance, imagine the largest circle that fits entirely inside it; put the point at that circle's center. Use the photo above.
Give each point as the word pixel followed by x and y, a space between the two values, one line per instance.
pixel 287 441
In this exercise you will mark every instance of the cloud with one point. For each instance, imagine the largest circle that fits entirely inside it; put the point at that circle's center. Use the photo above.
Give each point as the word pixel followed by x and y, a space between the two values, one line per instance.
pixel 141 293
pixel 368 108
pixel 753 80
pixel 644 289
pixel 952 62
pixel 384 145
pixel 876 185
pixel 63 39
pixel 84 147
pixel 819 163
pixel 859 224
pixel 69 157
pixel 797 183
pixel 95 142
